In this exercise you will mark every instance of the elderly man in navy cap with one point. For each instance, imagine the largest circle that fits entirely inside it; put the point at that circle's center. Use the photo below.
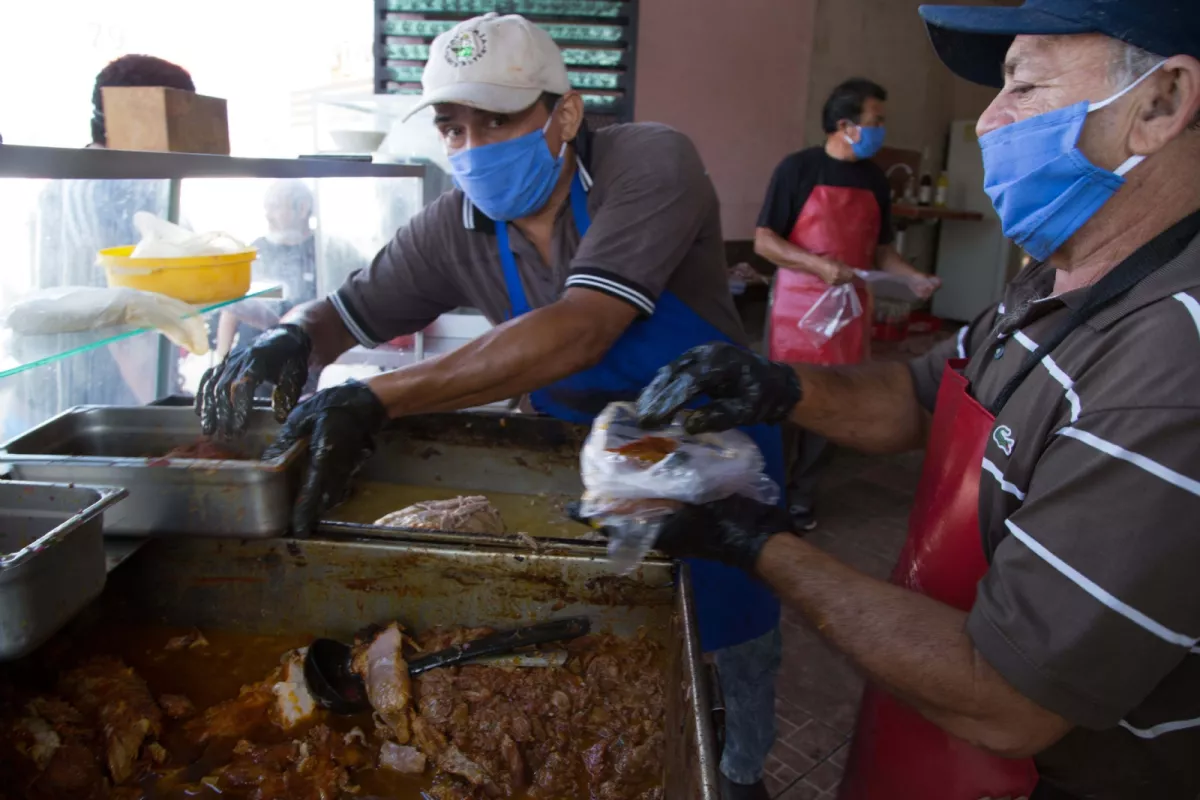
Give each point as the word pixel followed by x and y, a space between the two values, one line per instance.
pixel 1039 635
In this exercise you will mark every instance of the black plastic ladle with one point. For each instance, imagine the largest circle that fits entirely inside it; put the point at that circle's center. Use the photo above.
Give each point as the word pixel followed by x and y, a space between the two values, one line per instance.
pixel 335 686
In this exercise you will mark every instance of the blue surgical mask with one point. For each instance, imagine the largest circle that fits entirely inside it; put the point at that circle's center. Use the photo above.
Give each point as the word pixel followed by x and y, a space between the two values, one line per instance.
pixel 870 141
pixel 1042 185
pixel 509 180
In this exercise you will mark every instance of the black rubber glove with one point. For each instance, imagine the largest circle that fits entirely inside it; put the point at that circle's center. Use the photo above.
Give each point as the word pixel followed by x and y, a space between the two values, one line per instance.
pixel 226 394
pixel 731 531
pixel 744 389
pixel 340 424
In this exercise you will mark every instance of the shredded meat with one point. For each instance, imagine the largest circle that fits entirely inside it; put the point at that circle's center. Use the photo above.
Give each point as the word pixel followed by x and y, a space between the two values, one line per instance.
pixel 587 727
pixel 176 706
pixel 592 728
pixel 119 701
pixel 385 673
pixel 462 514
pixel 294 704
pixel 237 718
pixel 189 641
pixel 316 767
pixel 50 748
pixel 401 758
pixel 75 771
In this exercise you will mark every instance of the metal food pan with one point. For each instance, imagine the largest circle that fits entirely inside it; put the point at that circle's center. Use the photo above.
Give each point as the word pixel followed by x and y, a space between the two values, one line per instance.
pixel 476 452
pixel 329 587
pixel 123 446
pixel 51 558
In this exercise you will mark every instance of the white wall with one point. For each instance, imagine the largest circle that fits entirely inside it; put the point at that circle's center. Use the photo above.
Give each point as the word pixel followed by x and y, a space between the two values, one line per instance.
pixel 733 76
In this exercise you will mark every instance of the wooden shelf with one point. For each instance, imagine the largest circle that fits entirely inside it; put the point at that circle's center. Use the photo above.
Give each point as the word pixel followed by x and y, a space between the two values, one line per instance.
pixel 902 211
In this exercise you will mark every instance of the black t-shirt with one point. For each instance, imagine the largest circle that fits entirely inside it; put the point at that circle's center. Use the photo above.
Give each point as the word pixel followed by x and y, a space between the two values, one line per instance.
pixel 800 173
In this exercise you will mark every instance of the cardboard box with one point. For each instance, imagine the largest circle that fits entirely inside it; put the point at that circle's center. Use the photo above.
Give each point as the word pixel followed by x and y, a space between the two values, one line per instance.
pixel 156 118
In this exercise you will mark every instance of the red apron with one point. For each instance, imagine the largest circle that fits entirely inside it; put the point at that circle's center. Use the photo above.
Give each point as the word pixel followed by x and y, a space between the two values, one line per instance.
pixel 897 754
pixel 839 223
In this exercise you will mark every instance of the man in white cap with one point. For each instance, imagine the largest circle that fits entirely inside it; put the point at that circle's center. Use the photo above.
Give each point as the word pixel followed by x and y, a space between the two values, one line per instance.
pixel 599 258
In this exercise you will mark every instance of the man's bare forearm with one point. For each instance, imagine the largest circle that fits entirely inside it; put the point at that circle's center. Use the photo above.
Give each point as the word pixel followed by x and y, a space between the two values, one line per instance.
pixel 870 407
pixel 785 255
pixel 913 646
pixel 888 259
pixel 517 357
pixel 324 326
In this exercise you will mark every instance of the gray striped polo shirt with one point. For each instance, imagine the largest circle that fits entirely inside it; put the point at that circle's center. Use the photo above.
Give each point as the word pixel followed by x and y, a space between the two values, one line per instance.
pixel 1089 514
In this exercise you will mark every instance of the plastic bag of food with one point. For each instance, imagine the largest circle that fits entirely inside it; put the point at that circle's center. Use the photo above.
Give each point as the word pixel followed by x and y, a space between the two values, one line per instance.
pixel 906 288
pixel 836 308
pixel 163 239
pixel 73 309
pixel 633 479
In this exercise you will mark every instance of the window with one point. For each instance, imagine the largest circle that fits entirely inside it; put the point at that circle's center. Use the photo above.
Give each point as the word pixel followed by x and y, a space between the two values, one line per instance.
pixel 597 38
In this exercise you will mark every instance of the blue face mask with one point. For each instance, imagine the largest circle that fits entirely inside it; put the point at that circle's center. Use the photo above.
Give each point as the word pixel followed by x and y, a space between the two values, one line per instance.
pixel 1042 185
pixel 870 141
pixel 509 180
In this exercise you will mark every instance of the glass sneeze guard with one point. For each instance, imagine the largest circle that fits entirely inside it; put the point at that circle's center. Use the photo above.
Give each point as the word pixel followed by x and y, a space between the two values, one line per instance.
pixel 22 352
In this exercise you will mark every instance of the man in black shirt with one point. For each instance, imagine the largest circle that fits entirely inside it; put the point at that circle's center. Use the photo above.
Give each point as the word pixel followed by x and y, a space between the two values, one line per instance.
pixel 827 214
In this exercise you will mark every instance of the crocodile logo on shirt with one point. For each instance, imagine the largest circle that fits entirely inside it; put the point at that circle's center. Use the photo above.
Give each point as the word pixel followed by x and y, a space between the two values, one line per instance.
pixel 1003 437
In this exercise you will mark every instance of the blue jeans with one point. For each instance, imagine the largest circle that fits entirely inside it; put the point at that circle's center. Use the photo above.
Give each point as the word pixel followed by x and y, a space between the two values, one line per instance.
pixel 747 673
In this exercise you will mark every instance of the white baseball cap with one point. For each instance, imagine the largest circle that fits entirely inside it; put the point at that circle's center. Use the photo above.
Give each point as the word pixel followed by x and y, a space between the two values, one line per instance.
pixel 493 63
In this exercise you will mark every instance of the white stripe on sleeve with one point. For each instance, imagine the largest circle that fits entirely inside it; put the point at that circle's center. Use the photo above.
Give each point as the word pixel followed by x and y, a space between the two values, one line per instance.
pixel 1116 604
pixel 352 326
pixel 612 287
pixel 1055 372
pixel 1149 465
pixel 585 177
pixel 995 472
pixel 1192 306
pixel 1159 730
pixel 962 341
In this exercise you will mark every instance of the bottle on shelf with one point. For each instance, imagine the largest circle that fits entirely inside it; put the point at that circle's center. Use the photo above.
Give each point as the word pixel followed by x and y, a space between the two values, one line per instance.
pixel 925 193
pixel 925 190
pixel 942 195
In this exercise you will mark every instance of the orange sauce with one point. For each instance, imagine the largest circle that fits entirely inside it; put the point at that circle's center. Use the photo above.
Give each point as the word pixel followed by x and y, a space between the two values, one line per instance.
pixel 213 673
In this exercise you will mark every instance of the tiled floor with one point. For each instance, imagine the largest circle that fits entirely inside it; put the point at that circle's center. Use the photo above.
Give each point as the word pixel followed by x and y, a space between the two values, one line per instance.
pixel 863 511
pixel 863 507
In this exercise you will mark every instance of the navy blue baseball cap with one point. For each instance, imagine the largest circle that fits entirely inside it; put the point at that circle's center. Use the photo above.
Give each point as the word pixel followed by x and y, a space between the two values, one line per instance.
pixel 973 41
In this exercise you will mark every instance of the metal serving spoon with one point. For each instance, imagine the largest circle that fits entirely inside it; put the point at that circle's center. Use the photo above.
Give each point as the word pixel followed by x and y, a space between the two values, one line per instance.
pixel 335 686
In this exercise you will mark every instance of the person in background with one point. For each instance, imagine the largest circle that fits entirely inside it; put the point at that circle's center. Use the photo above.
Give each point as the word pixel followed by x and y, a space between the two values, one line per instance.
pixel 1039 637
pixel 827 214
pixel 287 256
pixel 76 219
pixel 79 217
pixel 599 258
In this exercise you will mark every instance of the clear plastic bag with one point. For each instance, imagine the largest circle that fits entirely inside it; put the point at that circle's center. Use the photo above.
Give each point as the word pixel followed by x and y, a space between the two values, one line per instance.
pixel 836 308
pixel 73 309
pixel 905 288
pixel 163 239
pixel 634 479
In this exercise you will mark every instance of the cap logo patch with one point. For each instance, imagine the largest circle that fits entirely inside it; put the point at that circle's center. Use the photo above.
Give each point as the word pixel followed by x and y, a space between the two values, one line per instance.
pixel 465 47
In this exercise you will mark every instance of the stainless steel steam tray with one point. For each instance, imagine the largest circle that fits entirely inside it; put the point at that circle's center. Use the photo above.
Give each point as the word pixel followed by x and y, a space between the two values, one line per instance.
pixel 125 446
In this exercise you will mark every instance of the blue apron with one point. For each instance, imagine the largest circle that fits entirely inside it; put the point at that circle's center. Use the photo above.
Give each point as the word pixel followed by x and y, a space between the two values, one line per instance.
pixel 730 606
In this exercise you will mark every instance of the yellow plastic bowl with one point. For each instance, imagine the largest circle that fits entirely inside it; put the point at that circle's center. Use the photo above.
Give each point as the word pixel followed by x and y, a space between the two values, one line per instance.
pixel 201 279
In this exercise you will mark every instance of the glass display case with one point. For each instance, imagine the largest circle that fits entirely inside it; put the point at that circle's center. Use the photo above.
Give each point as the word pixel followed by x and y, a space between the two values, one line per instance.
pixel 313 221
